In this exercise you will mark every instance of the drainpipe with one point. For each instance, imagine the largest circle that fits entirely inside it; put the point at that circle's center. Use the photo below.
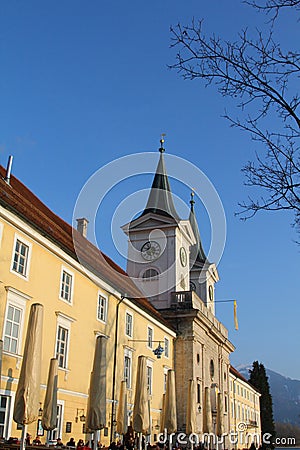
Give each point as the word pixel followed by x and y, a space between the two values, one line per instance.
pixel 114 369
pixel 235 410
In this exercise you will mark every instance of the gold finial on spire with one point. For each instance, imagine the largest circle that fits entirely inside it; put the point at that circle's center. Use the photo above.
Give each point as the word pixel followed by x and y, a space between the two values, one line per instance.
pixel 162 140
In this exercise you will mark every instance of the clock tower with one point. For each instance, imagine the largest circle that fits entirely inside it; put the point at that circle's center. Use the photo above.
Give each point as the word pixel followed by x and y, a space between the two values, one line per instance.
pixel 159 244
pixel 167 262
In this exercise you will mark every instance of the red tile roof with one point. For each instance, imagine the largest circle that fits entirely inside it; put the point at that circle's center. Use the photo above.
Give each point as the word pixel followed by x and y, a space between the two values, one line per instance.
pixel 17 198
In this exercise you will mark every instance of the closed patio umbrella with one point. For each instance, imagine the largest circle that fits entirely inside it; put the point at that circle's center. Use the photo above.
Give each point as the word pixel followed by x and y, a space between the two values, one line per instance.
pixel 170 414
pixel 96 410
pixel 49 416
pixel 1 352
pixel 191 409
pixel 141 419
pixel 28 391
pixel 150 418
pixel 220 415
pixel 122 415
pixel 207 416
pixel 162 415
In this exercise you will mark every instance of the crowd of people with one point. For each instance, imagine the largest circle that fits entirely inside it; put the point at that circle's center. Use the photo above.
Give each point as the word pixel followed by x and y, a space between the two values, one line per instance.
pixel 130 443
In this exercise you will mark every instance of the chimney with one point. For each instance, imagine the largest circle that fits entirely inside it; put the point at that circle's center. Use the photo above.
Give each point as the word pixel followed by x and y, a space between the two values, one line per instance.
pixel 8 169
pixel 82 226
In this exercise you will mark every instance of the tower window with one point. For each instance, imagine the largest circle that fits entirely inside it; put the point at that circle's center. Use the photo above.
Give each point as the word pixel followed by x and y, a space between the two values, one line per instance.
pixel 150 273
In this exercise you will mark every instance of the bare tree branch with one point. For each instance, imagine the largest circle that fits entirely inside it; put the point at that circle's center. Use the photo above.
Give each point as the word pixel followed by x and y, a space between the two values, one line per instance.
pixel 274 6
pixel 262 77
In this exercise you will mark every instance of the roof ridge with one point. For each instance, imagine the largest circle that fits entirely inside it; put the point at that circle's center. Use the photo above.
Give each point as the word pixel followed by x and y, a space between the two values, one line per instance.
pixel 25 203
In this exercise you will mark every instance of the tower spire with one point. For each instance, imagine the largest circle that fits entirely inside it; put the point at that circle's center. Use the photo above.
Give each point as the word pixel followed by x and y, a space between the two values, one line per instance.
pixel 197 252
pixel 160 199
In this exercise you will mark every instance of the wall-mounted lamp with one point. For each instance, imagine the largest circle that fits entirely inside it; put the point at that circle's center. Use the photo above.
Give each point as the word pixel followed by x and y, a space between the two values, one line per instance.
pixel 158 351
pixel 199 409
pixel 80 415
pixel 40 410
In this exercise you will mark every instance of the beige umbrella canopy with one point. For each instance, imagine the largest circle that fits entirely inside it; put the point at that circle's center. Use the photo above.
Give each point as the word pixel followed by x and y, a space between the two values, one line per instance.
pixel 1 352
pixel 150 419
pixel 207 417
pixel 28 390
pixel 49 416
pixel 191 409
pixel 220 415
pixel 141 419
pixel 122 415
pixel 162 415
pixel 96 410
pixel 170 414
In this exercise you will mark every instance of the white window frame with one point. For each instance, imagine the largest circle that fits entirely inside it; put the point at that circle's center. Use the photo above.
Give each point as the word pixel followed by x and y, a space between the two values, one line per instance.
pixel 65 322
pixel 1 232
pixel 166 369
pixel 71 274
pixel 18 300
pixel 6 412
pixel 128 354
pixel 28 244
pixel 100 294
pixel 130 334
pixel 8 419
pixel 150 340
pixel 225 404
pixel 149 369
pixel 166 354
pixel 58 430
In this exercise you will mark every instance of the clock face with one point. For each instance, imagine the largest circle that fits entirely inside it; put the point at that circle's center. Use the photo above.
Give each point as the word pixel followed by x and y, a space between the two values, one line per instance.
pixel 150 250
pixel 211 293
pixel 183 257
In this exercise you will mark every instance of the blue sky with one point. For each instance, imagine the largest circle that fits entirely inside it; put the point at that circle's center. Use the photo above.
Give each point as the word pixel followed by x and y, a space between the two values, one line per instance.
pixel 85 83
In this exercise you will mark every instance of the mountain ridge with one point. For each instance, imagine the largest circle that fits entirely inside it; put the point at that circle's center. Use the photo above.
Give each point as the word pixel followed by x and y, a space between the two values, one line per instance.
pixel 285 393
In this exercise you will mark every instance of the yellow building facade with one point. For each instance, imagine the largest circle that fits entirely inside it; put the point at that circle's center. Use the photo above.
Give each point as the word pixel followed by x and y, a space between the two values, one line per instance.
pixel 85 294
pixel 39 265
pixel 244 411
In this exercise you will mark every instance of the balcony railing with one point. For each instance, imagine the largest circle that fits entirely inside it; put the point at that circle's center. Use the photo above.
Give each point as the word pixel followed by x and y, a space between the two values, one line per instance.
pixel 182 300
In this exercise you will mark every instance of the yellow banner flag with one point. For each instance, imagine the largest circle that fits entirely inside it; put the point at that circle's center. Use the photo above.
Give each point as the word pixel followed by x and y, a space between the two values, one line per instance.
pixel 236 325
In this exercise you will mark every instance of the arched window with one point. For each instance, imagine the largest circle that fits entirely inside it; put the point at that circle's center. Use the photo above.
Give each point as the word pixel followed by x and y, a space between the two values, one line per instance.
pixel 150 273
